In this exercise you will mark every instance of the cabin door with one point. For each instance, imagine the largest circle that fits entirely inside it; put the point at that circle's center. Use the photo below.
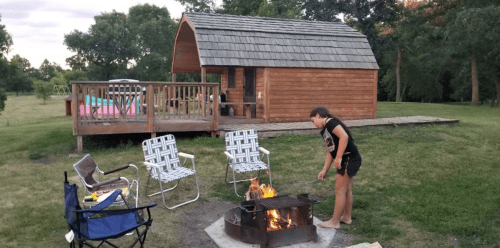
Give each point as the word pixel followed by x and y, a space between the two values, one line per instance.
pixel 249 88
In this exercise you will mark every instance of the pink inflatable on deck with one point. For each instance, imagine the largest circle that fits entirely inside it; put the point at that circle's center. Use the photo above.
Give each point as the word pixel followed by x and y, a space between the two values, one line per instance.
pixel 85 110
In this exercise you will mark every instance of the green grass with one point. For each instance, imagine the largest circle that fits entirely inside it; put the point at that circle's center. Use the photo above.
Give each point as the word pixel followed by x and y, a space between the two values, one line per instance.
pixel 417 187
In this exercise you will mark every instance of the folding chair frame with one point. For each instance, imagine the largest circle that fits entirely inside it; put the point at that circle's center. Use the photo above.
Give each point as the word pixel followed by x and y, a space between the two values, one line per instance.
pixel 162 191
pixel 158 169
pixel 99 172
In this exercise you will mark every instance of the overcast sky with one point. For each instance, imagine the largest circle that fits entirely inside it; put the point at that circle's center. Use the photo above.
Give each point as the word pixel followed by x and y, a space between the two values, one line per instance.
pixel 38 27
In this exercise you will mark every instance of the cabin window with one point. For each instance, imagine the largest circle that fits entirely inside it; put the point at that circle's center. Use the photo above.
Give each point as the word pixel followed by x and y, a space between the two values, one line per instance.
pixel 231 78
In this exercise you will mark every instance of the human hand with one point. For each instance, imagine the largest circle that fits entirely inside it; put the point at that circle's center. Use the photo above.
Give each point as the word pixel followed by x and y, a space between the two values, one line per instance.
pixel 337 163
pixel 322 175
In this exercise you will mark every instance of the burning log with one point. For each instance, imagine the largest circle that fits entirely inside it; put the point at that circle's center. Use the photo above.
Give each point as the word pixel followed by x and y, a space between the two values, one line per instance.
pixel 254 190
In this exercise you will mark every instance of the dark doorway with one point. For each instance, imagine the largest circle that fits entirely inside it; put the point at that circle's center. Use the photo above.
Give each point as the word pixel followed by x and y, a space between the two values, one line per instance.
pixel 249 88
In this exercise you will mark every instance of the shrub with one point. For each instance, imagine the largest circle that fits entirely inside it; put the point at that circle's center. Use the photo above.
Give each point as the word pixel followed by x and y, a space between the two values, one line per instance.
pixel 43 89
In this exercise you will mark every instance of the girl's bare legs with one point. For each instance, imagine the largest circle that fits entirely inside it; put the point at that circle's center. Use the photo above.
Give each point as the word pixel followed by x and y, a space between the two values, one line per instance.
pixel 346 217
pixel 342 198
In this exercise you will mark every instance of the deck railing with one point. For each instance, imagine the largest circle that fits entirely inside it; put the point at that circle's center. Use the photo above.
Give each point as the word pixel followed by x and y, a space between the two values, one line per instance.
pixel 106 103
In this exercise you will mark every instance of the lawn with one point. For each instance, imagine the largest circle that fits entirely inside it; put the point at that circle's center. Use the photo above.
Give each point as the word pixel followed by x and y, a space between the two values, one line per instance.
pixel 418 187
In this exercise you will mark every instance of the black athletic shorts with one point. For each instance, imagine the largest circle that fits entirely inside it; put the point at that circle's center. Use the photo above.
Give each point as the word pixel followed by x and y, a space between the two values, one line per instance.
pixel 352 163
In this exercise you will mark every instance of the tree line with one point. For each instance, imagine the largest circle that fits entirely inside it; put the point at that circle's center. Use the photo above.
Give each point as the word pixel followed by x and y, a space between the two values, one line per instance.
pixel 427 51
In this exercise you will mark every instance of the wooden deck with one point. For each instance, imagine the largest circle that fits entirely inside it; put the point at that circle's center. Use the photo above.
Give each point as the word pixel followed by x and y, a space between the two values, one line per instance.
pixel 143 107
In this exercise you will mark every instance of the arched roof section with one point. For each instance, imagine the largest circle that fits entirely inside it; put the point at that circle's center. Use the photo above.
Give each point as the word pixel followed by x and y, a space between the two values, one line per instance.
pixel 185 55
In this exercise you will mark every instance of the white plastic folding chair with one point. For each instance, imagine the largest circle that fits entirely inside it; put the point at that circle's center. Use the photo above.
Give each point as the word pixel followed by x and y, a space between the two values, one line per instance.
pixel 163 164
pixel 243 155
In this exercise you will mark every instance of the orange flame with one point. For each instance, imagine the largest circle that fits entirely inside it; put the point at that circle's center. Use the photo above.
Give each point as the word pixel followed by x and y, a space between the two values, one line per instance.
pixel 273 215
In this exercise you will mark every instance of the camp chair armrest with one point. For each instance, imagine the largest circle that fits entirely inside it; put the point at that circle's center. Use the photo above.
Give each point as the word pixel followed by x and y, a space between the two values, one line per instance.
pixel 112 180
pixel 92 210
pixel 264 150
pixel 117 169
pixel 185 155
pixel 229 155
pixel 151 164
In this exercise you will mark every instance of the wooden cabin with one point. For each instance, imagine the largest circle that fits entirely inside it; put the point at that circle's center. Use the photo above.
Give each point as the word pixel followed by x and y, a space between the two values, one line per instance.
pixel 278 70
pixel 272 70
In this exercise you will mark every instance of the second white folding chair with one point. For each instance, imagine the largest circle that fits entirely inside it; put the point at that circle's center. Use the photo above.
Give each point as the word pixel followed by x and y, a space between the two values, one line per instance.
pixel 243 155
pixel 163 164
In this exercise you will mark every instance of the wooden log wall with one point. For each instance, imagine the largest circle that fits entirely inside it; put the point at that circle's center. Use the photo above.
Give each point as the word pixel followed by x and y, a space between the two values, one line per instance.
pixel 294 92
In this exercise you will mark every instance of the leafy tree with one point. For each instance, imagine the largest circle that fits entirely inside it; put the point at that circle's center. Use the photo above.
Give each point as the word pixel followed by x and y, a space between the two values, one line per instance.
pixel 58 79
pixel 138 45
pixel 16 78
pixel 43 89
pixel 74 75
pixel 155 34
pixel 3 99
pixel 363 15
pixel 287 9
pixel 412 62
pixel 5 43
pixel 5 40
pixel 47 69
pixel 108 46
pixel 207 6
pixel 475 34
pixel 241 7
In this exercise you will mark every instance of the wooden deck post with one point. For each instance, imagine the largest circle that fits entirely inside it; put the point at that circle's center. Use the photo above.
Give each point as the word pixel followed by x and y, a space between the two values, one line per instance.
pixel 76 113
pixel 215 111
pixel 204 90
pixel 79 144
pixel 173 77
pixel 76 107
pixel 150 110
pixel 375 82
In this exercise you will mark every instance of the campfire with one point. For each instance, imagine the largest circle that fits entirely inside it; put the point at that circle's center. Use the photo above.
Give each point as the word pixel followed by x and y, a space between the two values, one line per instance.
pixel 271 220
pixel 275 220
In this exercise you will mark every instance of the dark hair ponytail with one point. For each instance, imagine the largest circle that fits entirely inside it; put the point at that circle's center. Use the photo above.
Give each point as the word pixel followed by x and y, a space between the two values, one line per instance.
pixel 324 113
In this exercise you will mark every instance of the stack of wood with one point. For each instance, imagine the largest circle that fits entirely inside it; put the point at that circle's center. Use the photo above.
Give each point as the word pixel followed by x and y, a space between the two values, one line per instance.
pixel 253 193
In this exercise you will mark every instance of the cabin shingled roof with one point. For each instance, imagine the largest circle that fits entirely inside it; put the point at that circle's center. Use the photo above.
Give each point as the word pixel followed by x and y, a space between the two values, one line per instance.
pixel 230 40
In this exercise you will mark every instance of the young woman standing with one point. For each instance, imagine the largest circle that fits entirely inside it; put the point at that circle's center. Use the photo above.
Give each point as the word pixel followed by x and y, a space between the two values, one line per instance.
pixel 341 150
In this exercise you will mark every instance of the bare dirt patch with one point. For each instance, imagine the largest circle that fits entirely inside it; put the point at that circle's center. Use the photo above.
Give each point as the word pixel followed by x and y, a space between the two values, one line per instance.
pixel 192 223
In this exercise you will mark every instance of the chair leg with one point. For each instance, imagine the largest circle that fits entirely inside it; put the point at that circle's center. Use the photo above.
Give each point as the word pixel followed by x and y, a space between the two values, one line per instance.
pixel 162 190
pixel 234 182
pixel 269 165
pixel 187 202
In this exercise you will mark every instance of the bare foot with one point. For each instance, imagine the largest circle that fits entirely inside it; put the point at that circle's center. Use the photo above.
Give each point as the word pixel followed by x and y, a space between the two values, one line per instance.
pixel 345 220
pixel 329 224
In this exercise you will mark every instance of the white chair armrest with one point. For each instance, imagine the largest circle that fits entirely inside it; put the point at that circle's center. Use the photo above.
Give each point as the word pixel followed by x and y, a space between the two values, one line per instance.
pixel 264 150
pixel 229 155
pixel 185 155
pixel 151 164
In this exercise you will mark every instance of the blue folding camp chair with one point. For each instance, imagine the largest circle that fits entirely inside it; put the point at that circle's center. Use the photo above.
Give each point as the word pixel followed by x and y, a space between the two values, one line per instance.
pixel 97 224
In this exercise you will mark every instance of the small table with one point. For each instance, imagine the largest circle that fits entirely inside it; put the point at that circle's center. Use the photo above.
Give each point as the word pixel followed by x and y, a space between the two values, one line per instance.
pixel 122 95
